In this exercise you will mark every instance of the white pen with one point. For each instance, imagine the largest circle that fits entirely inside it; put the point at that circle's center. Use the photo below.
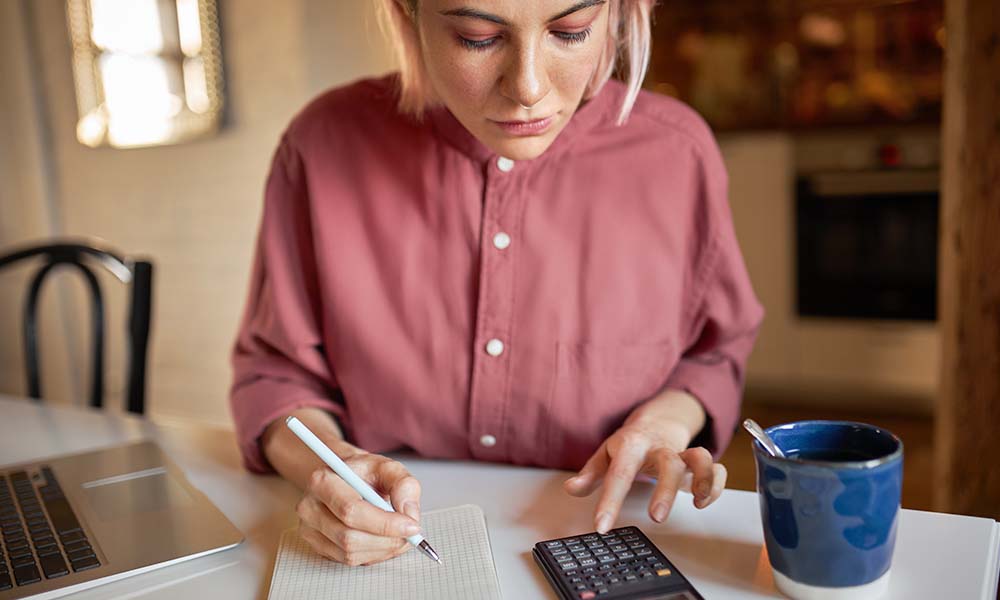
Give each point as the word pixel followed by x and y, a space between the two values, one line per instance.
pixel 360 485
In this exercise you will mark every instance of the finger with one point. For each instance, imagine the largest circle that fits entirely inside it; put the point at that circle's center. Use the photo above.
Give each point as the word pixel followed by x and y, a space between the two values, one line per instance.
pixel 686 481
pixel 324 546
pixel 403 549
pixel 620 475
pixel 316 516
pixel 403 488
pixel 671 469
pixel 590 476
pixel 699 462
pixel 718 485
pixel 354 511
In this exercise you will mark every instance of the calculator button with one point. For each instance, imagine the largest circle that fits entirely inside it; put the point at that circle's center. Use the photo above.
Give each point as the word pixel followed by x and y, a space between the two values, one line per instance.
pixel 587 595
pixel 590 538
pixel 602 591
pixel 568 565
pixel 643 552
pixel 581 587
pixel 575 580
pixel 600 551
pixel 593 545
pixel 571 540
pixel 587 562
pixel 634 545
pixel 630 577
pixel 554 544
pixel 564 558
pixel 625 555
pixel 619 547
pixel 614 580
pixel 658 565
pixel 630 537
pixel 576 547
pixel 559 552
pixel 613 540
pixel 607 558
pixel 581 554
pixel 663 572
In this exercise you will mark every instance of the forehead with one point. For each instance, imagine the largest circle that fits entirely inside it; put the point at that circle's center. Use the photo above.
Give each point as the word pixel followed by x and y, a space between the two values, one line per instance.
pixel 513 11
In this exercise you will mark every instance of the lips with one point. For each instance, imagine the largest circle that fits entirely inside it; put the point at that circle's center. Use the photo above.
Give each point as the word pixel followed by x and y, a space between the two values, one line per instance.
pixel 524 128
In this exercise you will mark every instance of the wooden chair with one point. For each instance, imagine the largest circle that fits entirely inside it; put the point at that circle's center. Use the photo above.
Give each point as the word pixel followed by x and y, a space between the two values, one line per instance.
pixel 136 274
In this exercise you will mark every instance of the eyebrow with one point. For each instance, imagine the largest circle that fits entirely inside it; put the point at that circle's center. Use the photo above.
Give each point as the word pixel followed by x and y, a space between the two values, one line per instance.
pixel 485 16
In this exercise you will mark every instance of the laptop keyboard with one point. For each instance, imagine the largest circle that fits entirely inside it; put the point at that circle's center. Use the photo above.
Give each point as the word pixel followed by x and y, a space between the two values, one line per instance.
pixel 42 538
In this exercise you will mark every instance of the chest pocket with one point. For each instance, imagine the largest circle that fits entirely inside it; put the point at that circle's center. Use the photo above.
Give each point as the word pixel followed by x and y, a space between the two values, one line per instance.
pixel 594 387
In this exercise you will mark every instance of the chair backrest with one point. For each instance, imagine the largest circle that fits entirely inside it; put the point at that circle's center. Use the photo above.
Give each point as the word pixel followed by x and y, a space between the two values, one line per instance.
pixel 136 274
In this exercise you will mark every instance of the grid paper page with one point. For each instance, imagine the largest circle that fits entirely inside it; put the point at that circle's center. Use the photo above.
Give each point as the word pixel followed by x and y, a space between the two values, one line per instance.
pixel 459 536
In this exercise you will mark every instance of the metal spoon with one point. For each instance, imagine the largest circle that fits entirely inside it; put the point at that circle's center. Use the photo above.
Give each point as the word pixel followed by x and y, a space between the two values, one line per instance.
pixel 761 436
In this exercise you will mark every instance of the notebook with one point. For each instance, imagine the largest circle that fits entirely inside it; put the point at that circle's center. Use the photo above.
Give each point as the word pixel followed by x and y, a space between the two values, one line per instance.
pixel 459 536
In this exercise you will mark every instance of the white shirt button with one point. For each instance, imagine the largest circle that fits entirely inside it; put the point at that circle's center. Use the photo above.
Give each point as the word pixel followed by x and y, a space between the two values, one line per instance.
pixel 494 347
pixel 505 164
pixel 488 440
pixel 501 240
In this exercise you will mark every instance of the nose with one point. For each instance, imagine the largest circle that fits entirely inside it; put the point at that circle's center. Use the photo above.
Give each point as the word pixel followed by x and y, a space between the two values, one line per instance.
pixel 526 80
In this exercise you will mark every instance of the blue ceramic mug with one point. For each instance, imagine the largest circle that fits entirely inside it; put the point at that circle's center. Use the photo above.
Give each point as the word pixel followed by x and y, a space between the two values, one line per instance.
pixel 830 507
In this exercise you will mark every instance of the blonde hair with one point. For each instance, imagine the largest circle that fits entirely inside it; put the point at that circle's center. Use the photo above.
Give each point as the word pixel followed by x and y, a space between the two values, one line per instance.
pixel 628 41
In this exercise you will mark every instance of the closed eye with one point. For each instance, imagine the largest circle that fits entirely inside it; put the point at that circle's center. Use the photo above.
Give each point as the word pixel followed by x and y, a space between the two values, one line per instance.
pixel 483 44
pixel 573 37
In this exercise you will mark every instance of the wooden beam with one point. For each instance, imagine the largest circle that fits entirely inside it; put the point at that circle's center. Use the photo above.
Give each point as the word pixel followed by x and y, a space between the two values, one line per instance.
pixel 968 409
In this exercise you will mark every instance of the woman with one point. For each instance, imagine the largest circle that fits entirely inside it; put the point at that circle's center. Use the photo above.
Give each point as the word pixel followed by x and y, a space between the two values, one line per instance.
pixel 500 255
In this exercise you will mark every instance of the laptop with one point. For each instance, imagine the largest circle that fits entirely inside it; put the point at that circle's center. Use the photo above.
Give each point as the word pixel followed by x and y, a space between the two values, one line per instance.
pixel 77 521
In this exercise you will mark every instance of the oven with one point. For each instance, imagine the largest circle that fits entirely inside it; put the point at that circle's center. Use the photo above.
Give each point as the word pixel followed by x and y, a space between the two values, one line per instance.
pixel 867 244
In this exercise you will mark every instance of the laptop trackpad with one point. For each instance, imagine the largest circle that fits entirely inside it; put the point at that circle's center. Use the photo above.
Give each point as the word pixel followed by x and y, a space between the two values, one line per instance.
pixel 147 491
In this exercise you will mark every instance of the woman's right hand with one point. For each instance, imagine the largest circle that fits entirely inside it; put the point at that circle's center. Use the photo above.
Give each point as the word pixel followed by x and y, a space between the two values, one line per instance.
pixel 340 525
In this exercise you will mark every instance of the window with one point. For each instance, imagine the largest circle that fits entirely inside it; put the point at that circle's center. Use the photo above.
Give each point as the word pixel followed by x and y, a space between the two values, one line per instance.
pixel 147 72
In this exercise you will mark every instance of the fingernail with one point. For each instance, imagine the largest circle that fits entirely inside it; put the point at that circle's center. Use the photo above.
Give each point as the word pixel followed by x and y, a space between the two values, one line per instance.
pixel 660 511
pixel 603 523
pixel 704 489
pixel 411 529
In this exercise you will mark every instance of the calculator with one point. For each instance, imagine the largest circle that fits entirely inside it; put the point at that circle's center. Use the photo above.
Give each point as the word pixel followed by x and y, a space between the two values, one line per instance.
pixel 619 564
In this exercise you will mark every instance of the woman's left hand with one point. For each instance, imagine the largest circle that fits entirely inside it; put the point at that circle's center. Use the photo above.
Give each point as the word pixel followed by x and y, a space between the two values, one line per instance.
pixel 651 442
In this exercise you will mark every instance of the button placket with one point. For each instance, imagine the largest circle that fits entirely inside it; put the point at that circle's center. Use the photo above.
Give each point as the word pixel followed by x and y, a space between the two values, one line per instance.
pixel 492 352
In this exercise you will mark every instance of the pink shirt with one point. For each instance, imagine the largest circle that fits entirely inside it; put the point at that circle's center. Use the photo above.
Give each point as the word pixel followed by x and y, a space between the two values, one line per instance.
pixel 434 296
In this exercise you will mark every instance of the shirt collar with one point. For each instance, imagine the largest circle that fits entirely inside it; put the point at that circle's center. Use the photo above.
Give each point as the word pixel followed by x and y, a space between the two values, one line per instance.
pixel 600 109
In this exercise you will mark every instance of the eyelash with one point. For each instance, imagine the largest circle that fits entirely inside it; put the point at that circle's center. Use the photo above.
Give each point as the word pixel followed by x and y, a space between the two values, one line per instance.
pixel 576 37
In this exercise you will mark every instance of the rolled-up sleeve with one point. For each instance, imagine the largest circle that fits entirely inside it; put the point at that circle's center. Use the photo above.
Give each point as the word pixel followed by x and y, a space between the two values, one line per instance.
pixel 725 317
pixel 278 359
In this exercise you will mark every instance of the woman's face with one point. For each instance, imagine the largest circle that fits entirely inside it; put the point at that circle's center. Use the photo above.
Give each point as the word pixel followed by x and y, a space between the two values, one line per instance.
pixel 513 72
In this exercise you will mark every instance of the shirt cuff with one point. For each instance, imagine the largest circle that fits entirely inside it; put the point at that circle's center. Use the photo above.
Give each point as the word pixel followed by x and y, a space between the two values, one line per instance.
pixel 719 395
pixel 259 404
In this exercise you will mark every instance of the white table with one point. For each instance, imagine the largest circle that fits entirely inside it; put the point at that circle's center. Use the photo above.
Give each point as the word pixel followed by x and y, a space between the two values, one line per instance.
pixel 719 549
